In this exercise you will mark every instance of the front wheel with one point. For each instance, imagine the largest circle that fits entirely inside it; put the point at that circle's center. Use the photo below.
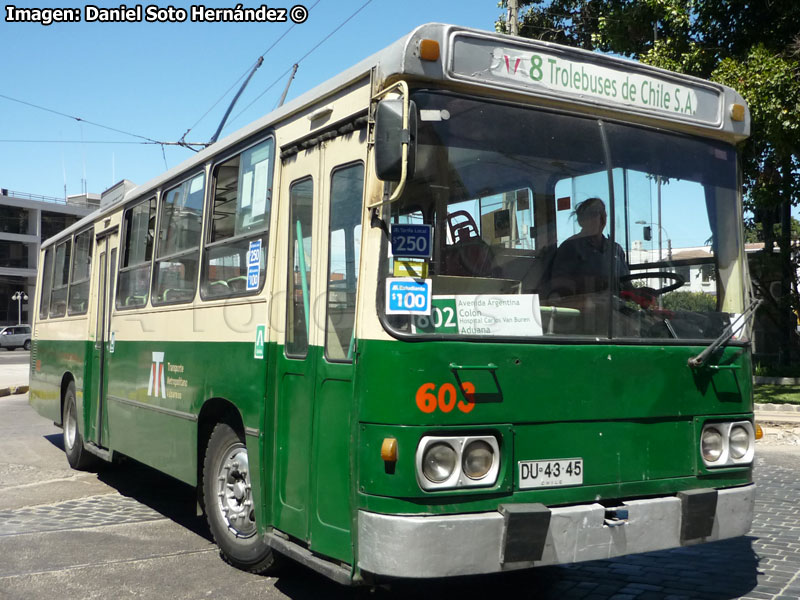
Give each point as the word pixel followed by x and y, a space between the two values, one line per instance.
pixel 228 499
pixel 26 345
pixel 77 456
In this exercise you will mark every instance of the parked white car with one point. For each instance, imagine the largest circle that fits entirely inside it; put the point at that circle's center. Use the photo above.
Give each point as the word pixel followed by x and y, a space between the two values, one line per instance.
pixel 15 336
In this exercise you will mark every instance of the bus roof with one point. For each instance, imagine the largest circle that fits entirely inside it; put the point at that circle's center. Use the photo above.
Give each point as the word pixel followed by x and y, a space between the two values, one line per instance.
pixel 499 64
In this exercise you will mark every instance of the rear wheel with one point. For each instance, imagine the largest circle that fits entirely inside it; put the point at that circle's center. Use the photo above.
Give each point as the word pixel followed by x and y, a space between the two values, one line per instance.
pixel 228 499
pixel 77 456
pixel 26 345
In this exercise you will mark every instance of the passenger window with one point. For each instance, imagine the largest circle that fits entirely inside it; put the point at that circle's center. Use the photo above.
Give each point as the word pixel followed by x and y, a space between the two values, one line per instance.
pixel 58 297
pixel 179 242
pixel 344 243
pixel 298 305
pixel 235 258
pixel 81 270
pixel 137 251
pixel 46 285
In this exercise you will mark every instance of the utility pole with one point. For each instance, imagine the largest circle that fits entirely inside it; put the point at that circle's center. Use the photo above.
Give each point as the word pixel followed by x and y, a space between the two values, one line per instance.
pixel 513 10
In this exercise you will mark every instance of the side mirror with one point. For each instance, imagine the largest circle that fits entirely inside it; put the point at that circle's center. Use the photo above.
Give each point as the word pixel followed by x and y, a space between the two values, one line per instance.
pixel 390 137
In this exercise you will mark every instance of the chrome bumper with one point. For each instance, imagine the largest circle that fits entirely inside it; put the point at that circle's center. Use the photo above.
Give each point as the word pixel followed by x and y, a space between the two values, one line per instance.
pixel 441 546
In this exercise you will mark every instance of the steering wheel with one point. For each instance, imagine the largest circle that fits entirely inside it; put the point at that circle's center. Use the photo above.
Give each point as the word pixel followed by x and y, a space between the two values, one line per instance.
pixel 646 296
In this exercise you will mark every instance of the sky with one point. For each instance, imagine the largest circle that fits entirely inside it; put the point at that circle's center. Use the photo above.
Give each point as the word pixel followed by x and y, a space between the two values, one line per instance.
pixel 158 80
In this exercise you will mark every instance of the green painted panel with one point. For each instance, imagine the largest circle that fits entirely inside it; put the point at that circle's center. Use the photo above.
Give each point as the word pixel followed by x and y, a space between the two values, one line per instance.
pixel 545 383
pixel 330 527
pixel 295 413
pixel 51 360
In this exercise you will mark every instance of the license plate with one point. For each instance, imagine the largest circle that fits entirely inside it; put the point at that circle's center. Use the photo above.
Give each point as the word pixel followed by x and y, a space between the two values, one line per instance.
pixel 550 473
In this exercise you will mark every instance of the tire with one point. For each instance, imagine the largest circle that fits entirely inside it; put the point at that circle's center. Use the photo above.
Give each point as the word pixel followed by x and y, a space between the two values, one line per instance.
pixel 77 456
pixel 228 503
pixel 26 345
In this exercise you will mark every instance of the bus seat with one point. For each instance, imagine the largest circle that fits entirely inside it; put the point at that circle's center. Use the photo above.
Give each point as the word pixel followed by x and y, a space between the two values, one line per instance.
pixel 177 294
pixel 238 284
pixel 218 288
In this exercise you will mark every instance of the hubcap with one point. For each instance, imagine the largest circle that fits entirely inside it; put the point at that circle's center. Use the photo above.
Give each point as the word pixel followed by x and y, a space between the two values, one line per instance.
pixel 70 427
pixel 234 492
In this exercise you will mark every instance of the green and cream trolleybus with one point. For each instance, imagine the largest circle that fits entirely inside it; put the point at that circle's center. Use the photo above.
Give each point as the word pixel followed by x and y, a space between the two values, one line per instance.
pixel 478 303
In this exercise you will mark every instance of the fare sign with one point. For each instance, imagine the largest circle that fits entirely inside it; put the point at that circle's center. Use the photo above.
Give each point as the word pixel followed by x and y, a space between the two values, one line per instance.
pixel 412 241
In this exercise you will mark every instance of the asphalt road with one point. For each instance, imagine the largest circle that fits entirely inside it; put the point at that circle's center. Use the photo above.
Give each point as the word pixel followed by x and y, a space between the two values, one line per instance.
pixel 14 357
pixel 130 532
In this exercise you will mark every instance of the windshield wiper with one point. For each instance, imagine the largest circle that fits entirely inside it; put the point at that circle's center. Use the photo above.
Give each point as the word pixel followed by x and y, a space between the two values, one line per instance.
pixel 724 338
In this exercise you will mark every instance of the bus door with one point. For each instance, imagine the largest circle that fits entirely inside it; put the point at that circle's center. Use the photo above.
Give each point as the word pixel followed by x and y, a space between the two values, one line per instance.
pixel 323 192
pixel 105 265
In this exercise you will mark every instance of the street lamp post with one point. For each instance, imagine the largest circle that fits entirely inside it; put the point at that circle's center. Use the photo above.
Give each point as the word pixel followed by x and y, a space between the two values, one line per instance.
pixel 20 297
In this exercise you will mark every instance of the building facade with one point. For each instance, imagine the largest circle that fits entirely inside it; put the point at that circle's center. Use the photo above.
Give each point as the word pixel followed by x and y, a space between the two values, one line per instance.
pixel 26 220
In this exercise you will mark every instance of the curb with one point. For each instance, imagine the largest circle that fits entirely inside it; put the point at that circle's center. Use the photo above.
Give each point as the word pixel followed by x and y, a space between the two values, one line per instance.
pixel 778 407
pixel 758 380
pixel 13 390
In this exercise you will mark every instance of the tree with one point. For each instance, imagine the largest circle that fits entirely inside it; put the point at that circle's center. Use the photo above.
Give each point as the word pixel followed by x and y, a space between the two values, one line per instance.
pixel 753 47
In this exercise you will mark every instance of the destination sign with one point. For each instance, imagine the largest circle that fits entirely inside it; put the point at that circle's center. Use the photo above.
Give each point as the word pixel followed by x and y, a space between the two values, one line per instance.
pixel 536 70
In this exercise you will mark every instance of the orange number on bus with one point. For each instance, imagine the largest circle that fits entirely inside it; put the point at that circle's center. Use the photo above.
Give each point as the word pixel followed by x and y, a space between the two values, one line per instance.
pixel 446 399
pixel 447 389
pixel 426 401
pixel 469 392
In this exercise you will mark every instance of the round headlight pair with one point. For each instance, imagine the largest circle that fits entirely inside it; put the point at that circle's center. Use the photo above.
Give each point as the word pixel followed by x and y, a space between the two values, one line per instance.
pixel 440 459
pixel 713 442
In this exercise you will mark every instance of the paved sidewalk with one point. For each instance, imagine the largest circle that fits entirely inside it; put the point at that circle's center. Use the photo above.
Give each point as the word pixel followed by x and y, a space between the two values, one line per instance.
pixel 14 379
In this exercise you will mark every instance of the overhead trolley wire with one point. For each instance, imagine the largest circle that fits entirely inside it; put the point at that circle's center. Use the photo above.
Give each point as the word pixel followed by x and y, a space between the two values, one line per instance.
pixel 306 55
pixel 243 75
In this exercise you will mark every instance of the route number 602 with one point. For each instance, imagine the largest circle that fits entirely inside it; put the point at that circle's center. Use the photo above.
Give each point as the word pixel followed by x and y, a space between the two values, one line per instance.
pixel 446 399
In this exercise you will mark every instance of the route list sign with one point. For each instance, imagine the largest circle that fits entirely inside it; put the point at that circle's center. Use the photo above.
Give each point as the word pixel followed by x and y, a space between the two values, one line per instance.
pixel 503 315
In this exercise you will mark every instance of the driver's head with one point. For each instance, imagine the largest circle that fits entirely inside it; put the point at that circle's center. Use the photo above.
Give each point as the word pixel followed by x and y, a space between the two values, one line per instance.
pixel 591 215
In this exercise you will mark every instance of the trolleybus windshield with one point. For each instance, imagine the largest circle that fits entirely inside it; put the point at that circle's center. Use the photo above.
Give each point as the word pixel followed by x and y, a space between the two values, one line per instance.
pixel 550 224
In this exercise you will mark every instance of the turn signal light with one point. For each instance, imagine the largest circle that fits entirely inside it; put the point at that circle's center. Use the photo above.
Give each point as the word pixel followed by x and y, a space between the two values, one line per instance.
pixel 389 450
pixel 737 112
pixel 429 50
pixel 759 432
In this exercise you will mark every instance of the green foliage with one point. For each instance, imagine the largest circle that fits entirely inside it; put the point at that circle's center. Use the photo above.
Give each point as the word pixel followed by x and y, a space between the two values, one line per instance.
pixel 692 301
pixel 777 394
pixel 754 232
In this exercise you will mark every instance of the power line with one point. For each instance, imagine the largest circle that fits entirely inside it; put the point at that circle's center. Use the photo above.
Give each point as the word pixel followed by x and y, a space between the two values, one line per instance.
pixel 322 41
pixel 243 75
pixel 79 119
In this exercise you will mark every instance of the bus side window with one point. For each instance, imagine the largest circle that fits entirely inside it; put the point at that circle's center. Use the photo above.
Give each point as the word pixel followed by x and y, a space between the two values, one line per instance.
pixel 47 283
pixel 137 252
pixel 58 297
pixel 344 243
pixel 81 271
pixel 239 223
pixel 178 248
pixel 298 304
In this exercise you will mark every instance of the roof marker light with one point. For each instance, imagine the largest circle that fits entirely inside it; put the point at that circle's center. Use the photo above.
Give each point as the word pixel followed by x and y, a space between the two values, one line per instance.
pixel 429 50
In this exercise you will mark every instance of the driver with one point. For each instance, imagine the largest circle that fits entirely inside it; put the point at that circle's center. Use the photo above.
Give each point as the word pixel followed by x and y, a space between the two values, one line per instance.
pixel 581 263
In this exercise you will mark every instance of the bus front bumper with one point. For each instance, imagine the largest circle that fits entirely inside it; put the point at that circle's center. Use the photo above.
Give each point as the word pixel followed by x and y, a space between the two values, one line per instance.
pixel 522 536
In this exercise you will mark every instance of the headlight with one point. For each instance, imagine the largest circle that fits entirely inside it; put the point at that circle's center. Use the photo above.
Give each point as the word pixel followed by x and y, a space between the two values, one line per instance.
pixel 739 439
pixel 439 462
pixel 712 445
pixel 478 459
pixel 727 444
pixel 458 461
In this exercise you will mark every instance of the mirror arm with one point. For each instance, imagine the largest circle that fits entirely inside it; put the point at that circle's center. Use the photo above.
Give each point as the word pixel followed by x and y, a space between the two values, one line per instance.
pixel 403 86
